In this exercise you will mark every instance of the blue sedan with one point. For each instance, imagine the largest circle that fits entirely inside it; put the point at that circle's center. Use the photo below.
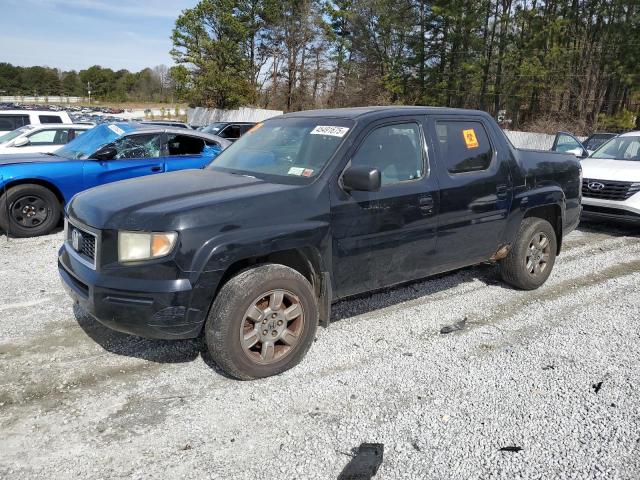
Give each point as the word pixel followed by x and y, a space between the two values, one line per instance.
pixel 34 188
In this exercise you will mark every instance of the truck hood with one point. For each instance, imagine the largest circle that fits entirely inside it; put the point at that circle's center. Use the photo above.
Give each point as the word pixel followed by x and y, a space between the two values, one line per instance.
pixel 171 201
pixel 616 170
pixel 18 158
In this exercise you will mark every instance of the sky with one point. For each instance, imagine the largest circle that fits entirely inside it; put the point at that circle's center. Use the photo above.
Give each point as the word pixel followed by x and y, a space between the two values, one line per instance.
pixel 76 34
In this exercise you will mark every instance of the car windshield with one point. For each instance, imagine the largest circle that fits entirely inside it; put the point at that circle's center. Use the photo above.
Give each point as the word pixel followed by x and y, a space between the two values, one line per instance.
pixel 87 144
pixel 285 149
pixel 213 128
pixel 620 148
pixel 15 133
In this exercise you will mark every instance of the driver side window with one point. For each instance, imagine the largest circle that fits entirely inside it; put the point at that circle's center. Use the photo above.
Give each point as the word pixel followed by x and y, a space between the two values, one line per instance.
pixel 395 150
pixel 137 146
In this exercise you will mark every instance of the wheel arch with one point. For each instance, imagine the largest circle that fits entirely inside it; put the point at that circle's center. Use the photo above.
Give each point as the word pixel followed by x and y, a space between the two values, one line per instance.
pixel 551 213
pixel 34 181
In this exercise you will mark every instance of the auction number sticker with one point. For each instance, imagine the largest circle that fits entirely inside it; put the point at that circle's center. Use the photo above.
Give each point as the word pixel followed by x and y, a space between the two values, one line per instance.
pixel 330 130
pixel 296 171
pixel 470 138
pixel 116 129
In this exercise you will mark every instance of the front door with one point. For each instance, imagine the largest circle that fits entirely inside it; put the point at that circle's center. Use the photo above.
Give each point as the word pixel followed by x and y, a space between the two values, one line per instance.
pixel 475 193
pixel 386 237
pixel 136 156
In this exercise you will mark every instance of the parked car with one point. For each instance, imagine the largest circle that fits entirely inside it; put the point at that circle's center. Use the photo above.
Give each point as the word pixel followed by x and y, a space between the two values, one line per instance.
pixel 611 183
pixel 12 119
pixel 306 209
pixel 229 130
pixel 594 140
pixel 40 138
pixel 35 187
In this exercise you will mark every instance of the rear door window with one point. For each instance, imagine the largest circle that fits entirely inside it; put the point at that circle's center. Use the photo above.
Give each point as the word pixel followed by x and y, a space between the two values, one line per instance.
pixel 10 122
pixel 184 145
pixel 50 119
pixel 464 146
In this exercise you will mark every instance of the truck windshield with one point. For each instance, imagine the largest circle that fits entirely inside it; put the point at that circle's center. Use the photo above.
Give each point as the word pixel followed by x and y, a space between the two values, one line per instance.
pixel 620 148
pixel 285 148
pixel 88 143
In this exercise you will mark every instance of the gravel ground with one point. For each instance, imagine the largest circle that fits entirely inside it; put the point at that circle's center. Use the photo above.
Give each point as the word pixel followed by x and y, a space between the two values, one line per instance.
pixel 555 372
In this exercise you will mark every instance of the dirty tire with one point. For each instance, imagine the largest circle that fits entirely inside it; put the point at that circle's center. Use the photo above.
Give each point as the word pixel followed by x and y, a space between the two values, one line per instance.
pixel 228 316
pixel 38 201
pixel 514 267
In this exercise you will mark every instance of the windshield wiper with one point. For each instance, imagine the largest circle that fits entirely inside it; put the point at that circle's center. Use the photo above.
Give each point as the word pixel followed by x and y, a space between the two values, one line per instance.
pixel 51 153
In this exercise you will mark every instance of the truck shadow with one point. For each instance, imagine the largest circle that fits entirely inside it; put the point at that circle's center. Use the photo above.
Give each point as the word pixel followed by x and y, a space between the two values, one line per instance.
pixel 159 351
pixel 610 228
pixel 181 351
pixel 487 274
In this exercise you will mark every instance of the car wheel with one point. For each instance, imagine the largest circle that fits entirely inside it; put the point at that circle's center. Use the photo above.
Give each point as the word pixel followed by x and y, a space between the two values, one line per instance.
pixel 29 211
pixel 262 322
pixel 532 256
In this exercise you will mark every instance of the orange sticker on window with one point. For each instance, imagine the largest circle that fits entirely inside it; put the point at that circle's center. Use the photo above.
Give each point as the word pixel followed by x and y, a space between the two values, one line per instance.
pixel 470 138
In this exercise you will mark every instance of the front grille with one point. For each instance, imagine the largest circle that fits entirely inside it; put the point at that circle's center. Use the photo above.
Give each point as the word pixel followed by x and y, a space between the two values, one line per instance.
pixel 82 243
pixel 88 248
pixel 608 189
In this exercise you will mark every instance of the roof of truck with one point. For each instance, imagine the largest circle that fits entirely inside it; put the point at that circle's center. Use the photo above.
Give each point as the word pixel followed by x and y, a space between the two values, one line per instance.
pixel 358 112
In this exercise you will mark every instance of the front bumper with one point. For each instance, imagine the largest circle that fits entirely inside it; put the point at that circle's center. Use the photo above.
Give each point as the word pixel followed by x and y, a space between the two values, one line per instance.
pixel 155 309
pixel 627 211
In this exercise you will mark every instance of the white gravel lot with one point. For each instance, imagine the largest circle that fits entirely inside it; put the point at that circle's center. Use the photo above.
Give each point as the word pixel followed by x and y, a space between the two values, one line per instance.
pixel 80 401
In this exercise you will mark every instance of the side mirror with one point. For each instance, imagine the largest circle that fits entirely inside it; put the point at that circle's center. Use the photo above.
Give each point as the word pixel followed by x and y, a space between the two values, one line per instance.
pixel 21 142
pixel 364 179
pixel 105 153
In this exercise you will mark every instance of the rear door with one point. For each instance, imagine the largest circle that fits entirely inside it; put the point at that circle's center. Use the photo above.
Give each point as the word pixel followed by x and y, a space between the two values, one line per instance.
pixel 389 236
pixel 475 193
pixel 137 155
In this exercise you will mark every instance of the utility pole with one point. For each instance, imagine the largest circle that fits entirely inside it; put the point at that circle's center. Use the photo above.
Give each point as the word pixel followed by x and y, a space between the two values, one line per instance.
pixel 89 90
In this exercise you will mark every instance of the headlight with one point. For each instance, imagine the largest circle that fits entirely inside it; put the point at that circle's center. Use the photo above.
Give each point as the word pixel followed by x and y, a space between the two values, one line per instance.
pixel 135 246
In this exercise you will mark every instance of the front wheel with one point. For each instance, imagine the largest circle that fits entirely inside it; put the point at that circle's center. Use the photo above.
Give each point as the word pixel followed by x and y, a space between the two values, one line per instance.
pixel 262 322
pixel 532 256
pixel 29 211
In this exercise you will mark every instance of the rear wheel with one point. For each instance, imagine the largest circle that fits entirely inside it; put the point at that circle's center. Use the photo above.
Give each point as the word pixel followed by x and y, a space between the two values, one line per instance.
pixel 532 256
pixel 29 211
pixel 262 322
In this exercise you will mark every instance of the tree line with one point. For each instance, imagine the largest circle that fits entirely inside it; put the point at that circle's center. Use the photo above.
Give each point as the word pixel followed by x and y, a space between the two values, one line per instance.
pixel 149 84
pixel 536 63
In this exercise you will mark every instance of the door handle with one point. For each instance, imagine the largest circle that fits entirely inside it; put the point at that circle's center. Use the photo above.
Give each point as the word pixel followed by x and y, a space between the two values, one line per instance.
pixel 156 168
pixel 502 191
pixel 426 204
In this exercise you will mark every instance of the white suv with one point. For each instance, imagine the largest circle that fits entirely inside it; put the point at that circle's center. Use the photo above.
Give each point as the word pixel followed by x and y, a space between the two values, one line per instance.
pixel 611 180
pixel 12 119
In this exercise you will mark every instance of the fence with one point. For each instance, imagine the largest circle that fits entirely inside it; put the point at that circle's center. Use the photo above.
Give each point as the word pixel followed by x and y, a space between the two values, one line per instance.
pixel 41 99
pixel 535 141
pixel 204 116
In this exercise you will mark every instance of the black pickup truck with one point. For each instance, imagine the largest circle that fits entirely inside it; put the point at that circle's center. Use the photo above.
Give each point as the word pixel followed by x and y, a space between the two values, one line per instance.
pixel 308 208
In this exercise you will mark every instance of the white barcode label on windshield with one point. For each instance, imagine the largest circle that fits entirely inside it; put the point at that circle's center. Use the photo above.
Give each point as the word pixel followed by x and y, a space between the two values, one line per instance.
pixel 330 130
